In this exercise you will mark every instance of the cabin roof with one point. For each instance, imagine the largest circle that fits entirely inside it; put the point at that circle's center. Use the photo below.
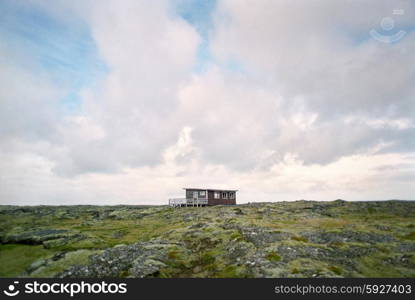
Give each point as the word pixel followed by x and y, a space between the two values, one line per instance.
pixel 207 189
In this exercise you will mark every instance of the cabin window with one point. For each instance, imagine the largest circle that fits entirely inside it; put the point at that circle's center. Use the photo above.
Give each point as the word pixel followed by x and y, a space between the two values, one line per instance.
pixel 231 195
pixel 216 195
pixel 224 195
pixel 202 193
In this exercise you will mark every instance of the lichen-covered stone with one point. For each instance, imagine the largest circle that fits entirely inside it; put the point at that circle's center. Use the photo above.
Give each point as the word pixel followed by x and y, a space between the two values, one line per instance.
pixel 137 259
pixel 325 237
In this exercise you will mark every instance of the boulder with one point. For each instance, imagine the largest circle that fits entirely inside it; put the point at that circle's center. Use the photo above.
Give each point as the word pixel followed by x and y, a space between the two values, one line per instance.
pixel 137 260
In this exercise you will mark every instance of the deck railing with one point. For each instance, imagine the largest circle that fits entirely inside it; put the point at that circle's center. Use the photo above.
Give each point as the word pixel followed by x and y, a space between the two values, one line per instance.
pixel 187 202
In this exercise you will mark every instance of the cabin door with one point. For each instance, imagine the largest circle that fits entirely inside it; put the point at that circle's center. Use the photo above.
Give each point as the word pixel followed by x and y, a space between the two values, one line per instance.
pixel 195 195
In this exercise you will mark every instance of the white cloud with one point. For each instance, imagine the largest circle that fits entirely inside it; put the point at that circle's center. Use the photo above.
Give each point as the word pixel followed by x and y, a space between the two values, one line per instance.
pixel 317 110
pixel 325 65
pixel 322 50
pixel 150 53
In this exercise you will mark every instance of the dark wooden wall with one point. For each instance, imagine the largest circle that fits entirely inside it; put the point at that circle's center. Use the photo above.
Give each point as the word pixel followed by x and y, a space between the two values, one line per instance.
pixel 220 201
pixel 211 198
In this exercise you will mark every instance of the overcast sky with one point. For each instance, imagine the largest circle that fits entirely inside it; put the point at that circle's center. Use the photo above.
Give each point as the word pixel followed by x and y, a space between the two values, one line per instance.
pixel 109 102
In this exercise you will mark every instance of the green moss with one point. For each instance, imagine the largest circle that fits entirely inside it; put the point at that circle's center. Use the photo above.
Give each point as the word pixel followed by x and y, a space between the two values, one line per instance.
pixel 237 236
pixel 384 248
pixel 173 254
pixel 299 239
pixel 308 267
pixel 273 256
pixel 232 272
pixel 177 263
pixel 14 259
pixel 207 258
pixel 382 265
pixel 336 270
pixel 79 257
pixel 212 268
pixel 410 236
pixel 124 274
pixel 337 244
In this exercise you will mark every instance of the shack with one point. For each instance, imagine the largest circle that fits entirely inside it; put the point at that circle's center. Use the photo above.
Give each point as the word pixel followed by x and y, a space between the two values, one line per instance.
pixel 204 197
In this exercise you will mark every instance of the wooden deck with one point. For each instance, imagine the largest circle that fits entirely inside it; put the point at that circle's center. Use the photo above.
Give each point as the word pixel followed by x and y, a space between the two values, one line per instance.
pixel 180 202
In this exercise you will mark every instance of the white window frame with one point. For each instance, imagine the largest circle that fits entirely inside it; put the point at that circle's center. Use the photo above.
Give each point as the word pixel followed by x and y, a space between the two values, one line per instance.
pixel 231 195
pixel 202 193
pixel 216 195
pixel 224 195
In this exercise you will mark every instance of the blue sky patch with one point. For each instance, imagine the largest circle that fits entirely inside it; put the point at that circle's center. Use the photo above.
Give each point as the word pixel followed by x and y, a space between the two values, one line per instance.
pixel 198 13
pixel 66 52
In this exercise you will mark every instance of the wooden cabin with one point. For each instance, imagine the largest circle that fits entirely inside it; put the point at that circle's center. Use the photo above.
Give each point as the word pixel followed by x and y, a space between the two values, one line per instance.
pixel 205 197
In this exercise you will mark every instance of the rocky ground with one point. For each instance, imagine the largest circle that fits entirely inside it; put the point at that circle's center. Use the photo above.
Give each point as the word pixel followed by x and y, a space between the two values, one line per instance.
pixel 283 239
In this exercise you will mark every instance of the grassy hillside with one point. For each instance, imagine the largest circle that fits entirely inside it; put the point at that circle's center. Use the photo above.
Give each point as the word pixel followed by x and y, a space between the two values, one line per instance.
pixel 284 239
